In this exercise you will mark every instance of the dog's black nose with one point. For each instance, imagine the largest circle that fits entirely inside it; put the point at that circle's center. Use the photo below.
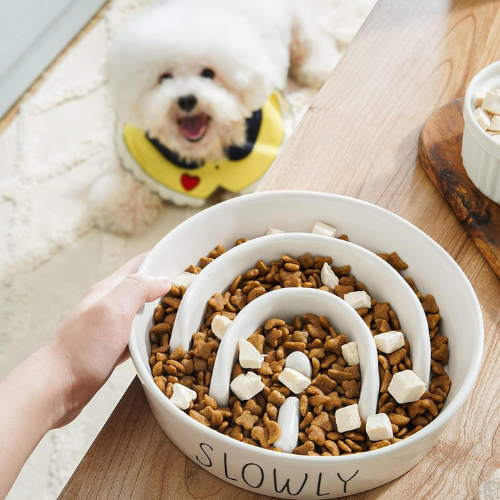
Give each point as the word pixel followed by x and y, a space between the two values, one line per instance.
pixel 187 102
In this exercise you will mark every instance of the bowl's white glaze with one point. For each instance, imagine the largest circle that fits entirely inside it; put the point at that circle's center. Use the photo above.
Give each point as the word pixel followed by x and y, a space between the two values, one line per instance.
pixel 374 228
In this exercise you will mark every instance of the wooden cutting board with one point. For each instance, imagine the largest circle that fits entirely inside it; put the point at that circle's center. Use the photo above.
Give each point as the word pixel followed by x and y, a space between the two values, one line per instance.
pixel 440 147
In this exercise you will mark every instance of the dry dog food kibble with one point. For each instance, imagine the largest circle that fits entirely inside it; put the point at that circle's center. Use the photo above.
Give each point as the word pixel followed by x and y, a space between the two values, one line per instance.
pixel 307 359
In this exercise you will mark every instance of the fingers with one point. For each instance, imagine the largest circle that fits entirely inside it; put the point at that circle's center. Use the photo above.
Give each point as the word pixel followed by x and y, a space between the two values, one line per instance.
pixel 135 290
pixel 102 288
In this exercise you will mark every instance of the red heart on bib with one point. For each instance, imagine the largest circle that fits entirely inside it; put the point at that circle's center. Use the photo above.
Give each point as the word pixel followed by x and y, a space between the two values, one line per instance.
pixel 189 182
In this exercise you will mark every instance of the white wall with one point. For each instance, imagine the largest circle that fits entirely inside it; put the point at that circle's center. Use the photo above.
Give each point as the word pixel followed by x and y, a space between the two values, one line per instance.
pixel 32 34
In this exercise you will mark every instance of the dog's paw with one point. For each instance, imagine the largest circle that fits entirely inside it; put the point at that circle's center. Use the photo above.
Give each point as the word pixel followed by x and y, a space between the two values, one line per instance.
pixel 317 66
pixel 120 204
pixel 314 73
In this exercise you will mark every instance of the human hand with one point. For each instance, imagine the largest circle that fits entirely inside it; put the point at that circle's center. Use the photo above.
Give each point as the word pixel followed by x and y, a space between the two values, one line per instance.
pixel 93 339
pixel 52 386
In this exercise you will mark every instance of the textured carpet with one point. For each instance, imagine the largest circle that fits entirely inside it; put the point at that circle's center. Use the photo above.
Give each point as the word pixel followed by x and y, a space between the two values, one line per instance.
pixel 57 146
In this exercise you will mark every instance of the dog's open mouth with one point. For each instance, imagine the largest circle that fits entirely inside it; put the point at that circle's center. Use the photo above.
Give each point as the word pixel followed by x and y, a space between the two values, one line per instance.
pixel 193 128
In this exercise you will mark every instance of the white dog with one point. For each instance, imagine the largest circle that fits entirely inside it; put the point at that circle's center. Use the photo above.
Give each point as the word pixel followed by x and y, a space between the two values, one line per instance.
pixel 188 78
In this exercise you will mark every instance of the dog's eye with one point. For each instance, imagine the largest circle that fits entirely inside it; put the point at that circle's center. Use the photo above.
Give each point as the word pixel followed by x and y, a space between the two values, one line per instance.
pixel 165 76
pixel 208 73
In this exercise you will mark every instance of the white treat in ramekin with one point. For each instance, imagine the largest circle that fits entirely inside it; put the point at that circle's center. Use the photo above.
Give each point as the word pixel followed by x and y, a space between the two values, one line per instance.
pixel 480 149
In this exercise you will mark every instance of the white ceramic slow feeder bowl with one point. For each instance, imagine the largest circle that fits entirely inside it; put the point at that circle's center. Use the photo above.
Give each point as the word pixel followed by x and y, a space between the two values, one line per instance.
pixel 289 421
pixel 265 472
pixel 286 304
pixel 382 281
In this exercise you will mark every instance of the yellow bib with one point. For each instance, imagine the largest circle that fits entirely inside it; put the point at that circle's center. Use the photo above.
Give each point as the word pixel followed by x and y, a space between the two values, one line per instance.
pixel 202 181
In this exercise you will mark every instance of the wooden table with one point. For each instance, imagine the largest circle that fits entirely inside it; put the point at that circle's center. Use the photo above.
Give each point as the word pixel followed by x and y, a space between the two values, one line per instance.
pixel 359 138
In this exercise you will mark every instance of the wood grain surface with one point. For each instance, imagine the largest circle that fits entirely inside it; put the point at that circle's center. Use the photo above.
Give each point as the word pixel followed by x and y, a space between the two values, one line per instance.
pixel 440 154
pixel 359 138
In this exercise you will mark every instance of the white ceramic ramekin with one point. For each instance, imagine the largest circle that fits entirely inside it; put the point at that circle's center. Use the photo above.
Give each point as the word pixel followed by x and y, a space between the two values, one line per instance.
pixel 480 153
pixel 292 476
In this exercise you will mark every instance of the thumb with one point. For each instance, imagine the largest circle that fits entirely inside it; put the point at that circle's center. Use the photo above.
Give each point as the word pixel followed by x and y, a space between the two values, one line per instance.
pixel 135 290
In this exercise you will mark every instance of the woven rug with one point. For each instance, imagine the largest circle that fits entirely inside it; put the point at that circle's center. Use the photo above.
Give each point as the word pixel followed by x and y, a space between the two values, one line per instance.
pixel 60 142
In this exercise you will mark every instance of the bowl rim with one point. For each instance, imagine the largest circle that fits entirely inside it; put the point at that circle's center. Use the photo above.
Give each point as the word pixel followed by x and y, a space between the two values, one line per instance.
pixel 476 131
pixel 434 427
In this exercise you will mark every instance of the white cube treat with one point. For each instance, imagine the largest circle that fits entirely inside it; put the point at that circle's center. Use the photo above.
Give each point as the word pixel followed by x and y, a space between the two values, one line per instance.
pixel 494 123
pixel 294 380
pixel 182 396
pixel 389 341
pixel 379 427
pixel 491 102
pixel 328 277
pixel 479 97
pixel 249 355
pixel 348 418
pixel 358 300
pixel 184 279
pixel 247 385
pixel 482 118
pixel 406 387
pixel 350 353
pixel 324 229
pixel 273 230
pixel 220 324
